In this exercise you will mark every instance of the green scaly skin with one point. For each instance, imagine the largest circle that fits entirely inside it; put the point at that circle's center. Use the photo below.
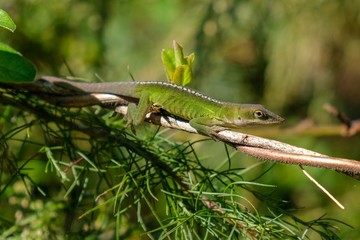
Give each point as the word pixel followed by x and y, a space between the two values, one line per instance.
pixel 205 114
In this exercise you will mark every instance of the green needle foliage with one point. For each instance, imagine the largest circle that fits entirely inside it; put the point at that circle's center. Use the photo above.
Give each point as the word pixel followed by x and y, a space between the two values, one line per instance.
pixel 76 173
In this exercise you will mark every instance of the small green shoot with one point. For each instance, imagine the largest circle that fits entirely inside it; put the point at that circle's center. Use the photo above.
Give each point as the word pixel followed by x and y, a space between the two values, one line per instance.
pixel 177 66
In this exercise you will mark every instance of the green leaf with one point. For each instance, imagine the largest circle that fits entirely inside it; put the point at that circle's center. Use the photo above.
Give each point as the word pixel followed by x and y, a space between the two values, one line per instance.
pixel 15 68
pixel 7 48
pixel 179 55
pixel 167 57
pixel 6 21
pixel 182 75
pixel 190 59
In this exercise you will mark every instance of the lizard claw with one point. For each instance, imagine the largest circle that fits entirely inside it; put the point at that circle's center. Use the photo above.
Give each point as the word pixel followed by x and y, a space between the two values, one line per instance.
pixel 129 124
pixel 133 129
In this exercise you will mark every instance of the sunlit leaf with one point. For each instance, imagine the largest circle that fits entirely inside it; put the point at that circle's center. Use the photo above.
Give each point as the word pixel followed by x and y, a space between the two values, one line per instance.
pixel 190 59
pixel 182 75
pixel 7 48
pixel 167 57
pixel 179 55
pixel 6 21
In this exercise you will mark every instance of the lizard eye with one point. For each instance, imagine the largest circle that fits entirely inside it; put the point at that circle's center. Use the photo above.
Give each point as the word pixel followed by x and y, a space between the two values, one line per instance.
pixel 259 114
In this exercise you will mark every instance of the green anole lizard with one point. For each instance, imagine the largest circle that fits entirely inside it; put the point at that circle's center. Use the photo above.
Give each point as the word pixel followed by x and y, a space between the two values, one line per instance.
pixel 205 114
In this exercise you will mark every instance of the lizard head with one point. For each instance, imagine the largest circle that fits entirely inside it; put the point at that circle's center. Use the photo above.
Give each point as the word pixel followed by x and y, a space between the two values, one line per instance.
pixel 239 115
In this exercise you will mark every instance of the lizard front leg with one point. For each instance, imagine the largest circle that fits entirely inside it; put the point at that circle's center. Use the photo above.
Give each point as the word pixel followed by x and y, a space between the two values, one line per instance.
pixel 206 125
pixel 137 113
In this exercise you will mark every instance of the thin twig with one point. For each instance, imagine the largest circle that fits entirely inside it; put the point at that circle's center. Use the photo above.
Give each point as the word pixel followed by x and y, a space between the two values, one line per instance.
pixel 322 188
pixel 339 115
pixel 352 126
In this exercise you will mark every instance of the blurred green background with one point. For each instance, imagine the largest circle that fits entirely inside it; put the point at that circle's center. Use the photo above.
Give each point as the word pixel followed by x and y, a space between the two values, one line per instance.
pixel 291 56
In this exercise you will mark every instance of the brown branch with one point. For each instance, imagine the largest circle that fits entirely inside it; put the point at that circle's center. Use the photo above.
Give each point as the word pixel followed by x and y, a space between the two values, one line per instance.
pixel 264 148
pixel 347 166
